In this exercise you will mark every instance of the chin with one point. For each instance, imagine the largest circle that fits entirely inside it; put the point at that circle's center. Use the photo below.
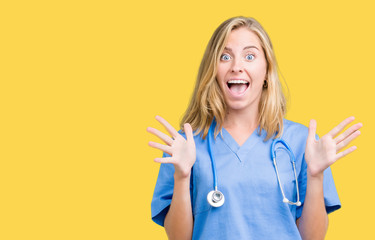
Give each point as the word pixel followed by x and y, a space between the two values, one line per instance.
pixel 237 106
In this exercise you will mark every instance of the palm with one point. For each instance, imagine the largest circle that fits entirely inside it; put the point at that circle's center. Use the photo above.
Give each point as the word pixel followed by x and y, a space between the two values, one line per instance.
pixel 322 153
pixel 182 151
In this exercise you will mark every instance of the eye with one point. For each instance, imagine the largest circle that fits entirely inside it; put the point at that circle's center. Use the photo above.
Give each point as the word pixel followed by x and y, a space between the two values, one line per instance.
pixel 225 57
pixel 250 57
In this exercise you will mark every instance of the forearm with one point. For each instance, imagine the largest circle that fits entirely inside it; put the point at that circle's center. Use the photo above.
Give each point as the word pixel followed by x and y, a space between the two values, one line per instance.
pixel 179 220
pixel 313 223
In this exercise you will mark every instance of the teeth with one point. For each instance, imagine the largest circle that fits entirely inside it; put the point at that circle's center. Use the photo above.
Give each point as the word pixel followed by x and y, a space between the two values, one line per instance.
pixel 237 81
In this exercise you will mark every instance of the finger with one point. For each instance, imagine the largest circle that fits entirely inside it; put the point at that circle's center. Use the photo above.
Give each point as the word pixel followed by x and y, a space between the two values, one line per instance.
pixel 340 127
pixel 167 126
pixel 312 131
pixel 348 132
pixel 345 152
pixel 164 160
pixel 162 147
pixel 167 139
pixel 346 141
pixel 189 132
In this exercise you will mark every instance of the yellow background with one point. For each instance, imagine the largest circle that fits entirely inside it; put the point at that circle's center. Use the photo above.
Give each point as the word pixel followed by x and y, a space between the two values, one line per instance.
pixel 82 80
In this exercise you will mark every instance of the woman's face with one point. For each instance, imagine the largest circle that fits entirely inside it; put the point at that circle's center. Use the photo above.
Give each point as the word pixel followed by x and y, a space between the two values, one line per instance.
pixel 242 70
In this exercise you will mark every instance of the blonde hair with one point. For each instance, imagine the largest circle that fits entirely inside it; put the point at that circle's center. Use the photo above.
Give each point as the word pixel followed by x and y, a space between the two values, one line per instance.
pixel 207 101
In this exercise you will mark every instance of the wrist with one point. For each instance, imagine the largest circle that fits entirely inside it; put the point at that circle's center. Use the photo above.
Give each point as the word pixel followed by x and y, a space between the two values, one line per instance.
pixel 315 176
pixel 314 171
pixel 182 178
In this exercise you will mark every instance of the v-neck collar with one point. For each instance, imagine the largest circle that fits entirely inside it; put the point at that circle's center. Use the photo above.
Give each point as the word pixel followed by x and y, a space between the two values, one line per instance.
pixel 243 150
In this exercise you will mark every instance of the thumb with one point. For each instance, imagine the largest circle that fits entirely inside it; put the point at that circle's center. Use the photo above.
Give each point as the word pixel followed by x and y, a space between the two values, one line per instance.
pixel 189 132
pixel 312 131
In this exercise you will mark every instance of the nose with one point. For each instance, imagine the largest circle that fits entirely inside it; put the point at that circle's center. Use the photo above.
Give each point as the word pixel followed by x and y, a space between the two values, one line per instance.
pixel 237 65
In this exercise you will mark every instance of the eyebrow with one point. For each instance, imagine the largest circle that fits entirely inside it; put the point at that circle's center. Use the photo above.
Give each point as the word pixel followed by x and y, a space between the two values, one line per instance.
pixel 247 47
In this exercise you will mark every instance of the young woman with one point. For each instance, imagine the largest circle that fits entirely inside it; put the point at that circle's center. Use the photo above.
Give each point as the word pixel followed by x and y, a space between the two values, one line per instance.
pixel 218 178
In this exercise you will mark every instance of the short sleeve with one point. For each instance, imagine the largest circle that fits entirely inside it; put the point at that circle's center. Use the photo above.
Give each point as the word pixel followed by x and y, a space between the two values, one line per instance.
pixel 163 192
pixel 331 198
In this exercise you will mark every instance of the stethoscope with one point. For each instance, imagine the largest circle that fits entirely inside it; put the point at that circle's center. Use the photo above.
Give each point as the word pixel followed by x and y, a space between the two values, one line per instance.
pixel 216 198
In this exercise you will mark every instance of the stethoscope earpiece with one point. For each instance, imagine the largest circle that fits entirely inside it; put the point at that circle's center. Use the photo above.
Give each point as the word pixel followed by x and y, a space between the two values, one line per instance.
pixel 298 203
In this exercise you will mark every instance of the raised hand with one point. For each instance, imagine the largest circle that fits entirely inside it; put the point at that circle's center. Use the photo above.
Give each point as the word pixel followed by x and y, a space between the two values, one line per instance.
pixel 183 153
pixel 322 153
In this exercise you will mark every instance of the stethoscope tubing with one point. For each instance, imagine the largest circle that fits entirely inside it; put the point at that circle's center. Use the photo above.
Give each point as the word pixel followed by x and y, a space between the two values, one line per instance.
pixel 210 136
pixel 293 161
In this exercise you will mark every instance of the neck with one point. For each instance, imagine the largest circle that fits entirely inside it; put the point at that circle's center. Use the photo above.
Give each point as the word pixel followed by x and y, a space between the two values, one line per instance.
pixel 241 119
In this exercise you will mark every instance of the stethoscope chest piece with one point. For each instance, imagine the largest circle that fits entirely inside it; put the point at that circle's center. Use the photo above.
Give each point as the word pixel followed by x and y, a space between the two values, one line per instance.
pixel 215 198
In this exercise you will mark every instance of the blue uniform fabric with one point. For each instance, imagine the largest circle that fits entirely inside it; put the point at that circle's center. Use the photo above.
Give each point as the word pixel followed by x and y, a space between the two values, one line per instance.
pixel 253 207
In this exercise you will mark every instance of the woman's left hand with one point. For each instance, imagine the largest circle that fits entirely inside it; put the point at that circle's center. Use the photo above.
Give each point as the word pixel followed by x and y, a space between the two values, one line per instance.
pixel 322 153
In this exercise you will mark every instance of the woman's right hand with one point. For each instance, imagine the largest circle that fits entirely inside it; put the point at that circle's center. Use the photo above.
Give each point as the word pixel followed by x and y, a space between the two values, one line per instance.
pixel 182 151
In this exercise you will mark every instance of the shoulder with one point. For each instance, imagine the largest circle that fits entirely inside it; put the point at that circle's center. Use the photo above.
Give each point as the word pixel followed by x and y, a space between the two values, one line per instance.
pixel 294 126
pixel 295 134
pixel 294 131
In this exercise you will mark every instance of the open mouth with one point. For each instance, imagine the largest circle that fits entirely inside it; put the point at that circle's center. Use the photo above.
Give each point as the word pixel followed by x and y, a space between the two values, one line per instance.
pixel 238 86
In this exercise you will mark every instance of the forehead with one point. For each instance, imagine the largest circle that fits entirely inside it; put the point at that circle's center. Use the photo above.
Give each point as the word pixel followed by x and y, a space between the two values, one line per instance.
pixel 242 37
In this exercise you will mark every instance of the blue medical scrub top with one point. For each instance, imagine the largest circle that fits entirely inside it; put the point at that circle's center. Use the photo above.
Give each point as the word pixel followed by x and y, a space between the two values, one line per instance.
pixel 253 207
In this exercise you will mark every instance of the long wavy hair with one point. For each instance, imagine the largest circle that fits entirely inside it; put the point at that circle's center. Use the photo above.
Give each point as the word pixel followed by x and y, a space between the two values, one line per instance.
pixel 207 101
